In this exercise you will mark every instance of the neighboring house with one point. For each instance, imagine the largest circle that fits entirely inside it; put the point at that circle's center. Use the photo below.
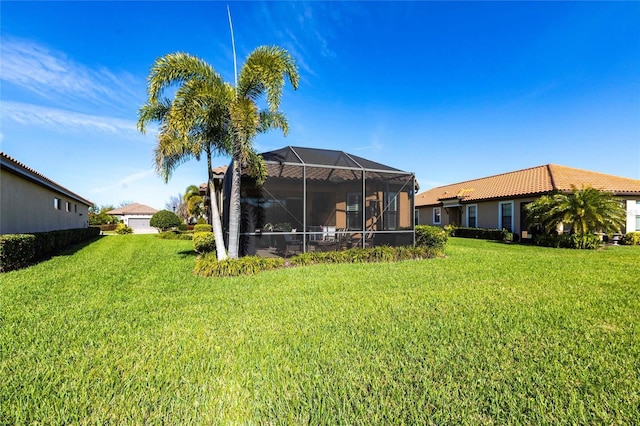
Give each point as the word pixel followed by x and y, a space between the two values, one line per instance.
pixel 31 202
pixel 137 216
pixel 498 201
pixel 324 194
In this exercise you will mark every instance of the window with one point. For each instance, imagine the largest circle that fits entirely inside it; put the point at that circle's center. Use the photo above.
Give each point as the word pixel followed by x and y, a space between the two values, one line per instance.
pixel 638 215
pixel 472 216
pixel 354 216
pixel 416 217
pixel 505 218
pixel 437 215
pixel 56 203
pixel 67 206
pixel 391 211
pixel 75 208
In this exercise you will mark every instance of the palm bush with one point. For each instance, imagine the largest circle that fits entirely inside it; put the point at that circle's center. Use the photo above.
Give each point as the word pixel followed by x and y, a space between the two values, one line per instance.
pixel 585 211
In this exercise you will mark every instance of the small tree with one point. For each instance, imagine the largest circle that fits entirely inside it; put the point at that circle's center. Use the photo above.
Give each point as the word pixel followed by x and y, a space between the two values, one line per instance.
pixel 164 219
pixel 586 210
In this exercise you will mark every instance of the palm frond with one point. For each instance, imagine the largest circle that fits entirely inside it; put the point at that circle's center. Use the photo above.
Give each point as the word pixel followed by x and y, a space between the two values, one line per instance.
pixel 264 72
pixel 177 68
pixel 153 111
pixel 273 120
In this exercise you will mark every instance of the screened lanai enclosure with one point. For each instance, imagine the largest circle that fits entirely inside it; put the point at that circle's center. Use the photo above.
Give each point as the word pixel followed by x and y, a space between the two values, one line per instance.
pixel 319 200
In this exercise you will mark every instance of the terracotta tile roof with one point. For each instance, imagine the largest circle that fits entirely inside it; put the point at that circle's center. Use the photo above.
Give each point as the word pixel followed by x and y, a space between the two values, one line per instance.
pixel 528 182
pixel 9 163
pixel 220 171
pixel 134 208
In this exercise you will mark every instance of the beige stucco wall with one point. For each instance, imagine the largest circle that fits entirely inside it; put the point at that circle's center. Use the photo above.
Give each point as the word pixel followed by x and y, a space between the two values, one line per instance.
pixel 28 207
pixel 487 214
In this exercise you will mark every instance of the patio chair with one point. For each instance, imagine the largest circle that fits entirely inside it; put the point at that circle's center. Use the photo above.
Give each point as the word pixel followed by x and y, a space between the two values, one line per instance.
pixel 291 243
pixel 368 240
pixel 329 233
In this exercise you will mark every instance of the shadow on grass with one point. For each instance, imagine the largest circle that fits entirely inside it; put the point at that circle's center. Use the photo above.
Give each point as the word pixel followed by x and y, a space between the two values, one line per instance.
pixel 67 251
pixel 187 253
pixel 72 249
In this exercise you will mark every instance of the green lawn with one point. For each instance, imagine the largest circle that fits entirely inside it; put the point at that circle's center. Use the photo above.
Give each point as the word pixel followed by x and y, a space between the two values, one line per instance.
pixel 121 331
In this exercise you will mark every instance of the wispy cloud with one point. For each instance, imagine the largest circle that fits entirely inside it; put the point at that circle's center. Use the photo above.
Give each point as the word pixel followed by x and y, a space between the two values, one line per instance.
pixel 124 182
pixel 59 119
pixel 51 75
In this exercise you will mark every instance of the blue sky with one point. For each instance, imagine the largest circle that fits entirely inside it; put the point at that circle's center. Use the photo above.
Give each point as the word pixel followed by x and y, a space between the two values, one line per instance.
pixel 450 91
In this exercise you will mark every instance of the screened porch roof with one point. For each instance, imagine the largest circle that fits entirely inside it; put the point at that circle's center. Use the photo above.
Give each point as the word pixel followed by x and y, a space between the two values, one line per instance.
pixel 324 158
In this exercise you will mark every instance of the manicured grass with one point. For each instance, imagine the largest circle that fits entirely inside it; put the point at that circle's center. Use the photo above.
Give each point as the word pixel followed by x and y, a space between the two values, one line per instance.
pixel 121 331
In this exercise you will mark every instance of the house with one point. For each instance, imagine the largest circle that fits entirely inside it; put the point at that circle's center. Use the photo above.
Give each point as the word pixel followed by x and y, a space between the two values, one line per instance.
pixel 137 216
pixel 498 201
pixel 323 199
pixel 31 202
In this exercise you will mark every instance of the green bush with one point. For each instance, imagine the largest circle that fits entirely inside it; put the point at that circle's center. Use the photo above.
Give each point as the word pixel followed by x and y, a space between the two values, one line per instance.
pixel 483 233
pixel 204 242
pixel 182 227
pixel 164 219
pixel 16 251
pixel 584 241
pixel 450 229
pixel 631 239
pixel 201 221
pixel 123 229
pixel 575 241
pixel 202 227
pixel 175 235
pixel 209 266
pixel 431 236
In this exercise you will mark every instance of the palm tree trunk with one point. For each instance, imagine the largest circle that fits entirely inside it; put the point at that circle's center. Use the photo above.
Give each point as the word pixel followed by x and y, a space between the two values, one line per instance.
pixel 221 252
pixel 234 209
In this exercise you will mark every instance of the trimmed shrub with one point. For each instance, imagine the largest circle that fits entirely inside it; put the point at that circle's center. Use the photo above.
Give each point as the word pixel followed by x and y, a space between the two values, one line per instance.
pixel 431 236
pixel 201 221
pixel 631 239
pixel 16 251
pixel 204 242
pixel 483 233
pixel 203 227
pixel 175 235
pixel 182 227
pixel 164 219
pixel 123 229
pixel 17 254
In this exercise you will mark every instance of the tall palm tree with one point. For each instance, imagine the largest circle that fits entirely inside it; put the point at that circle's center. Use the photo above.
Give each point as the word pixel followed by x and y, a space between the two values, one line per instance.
pixel 209 115
pixel 586 210
pixel 263 74
pixel 194 123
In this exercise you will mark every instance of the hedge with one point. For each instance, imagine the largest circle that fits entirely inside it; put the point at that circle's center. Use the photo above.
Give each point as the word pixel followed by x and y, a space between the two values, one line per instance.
pixel 21 250
pixel 482 233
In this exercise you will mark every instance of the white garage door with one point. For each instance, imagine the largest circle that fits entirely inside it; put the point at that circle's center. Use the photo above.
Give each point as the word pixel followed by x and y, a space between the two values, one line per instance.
pixel 141 226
